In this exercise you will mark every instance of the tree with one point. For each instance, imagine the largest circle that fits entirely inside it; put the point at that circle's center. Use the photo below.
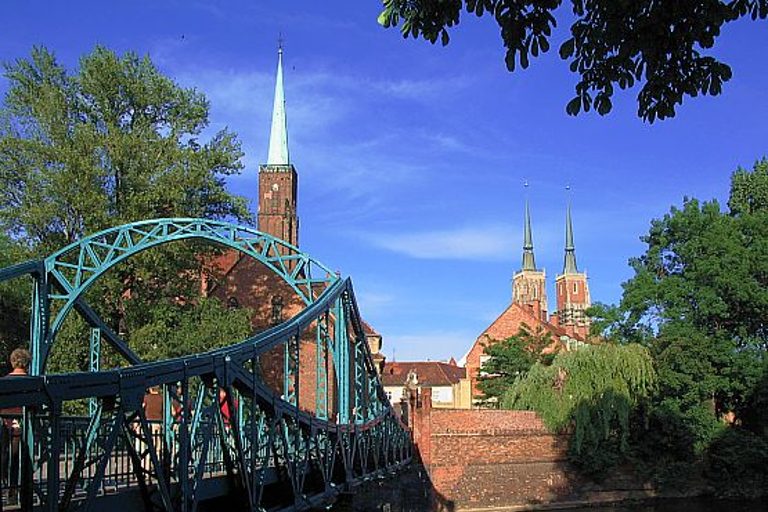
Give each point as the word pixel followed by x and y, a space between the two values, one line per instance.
pixel 115 141
pixel 661 45
pixel 14 304
pixel 593 391
pixel 509 360
pixel 698 301
pixel 702 290
pixel 749 190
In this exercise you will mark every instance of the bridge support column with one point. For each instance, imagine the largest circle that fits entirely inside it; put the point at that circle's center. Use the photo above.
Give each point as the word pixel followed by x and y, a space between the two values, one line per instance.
pixel 94 364
pixel 342 363
pixel 39 319
pixel 54 448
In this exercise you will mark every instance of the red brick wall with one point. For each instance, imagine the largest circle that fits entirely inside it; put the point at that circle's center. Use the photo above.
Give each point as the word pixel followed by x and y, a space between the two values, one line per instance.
pixel 506 325
pixel 490 458
pixel 485 421
pixel 254 285
pixel 278 197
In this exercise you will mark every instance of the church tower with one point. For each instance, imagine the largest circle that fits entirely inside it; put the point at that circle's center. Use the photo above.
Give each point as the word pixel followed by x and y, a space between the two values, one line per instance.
pixel 529 284
pixel 278 180
pixel 572 289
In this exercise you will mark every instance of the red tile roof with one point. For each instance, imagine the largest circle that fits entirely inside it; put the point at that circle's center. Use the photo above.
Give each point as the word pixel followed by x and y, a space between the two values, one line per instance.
pixel 429 373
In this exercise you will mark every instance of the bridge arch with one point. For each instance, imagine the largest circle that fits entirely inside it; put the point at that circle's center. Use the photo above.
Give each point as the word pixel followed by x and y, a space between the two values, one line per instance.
pixel 266 451
pixel 68 273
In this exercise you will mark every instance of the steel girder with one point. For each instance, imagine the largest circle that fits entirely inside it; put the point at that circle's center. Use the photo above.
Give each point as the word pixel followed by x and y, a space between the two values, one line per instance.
pixel 266 449
pixel 63 277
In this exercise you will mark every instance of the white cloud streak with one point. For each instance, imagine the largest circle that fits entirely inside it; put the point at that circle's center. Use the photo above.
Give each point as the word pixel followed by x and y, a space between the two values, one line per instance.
pixel 436 345
pixel 494 242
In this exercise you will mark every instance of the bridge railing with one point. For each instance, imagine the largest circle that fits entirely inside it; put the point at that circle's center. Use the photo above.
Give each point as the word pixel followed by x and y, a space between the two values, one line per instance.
pixel 285 446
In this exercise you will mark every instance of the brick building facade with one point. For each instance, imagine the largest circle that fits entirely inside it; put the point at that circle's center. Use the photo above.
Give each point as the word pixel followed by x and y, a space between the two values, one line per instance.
pixel 241 281
pixel 567 327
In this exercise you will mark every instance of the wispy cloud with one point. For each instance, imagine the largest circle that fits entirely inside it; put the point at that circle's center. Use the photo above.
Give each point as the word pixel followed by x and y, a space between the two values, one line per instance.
pixel 491 242
pixel 375 302
pixel 435 345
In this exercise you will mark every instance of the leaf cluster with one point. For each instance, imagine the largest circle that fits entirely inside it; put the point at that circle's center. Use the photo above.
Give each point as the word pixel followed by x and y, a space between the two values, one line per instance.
pixel 582 376
pixel 612 44
pixel 509 360
pixel 111 142
pixel 592 392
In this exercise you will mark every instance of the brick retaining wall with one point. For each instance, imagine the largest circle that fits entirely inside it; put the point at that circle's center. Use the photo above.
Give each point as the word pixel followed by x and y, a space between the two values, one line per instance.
pixel 480 459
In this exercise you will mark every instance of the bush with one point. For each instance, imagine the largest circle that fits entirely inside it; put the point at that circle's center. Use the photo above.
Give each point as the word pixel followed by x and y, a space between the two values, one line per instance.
pixel 736 464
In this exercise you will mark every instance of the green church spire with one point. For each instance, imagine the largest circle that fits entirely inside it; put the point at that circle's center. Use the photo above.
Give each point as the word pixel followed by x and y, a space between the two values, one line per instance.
pixel 529 261
pixel 278 138
pixel 569 266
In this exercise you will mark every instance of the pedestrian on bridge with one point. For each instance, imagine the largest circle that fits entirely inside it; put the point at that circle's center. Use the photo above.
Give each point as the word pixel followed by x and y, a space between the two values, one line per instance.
pixel 10 460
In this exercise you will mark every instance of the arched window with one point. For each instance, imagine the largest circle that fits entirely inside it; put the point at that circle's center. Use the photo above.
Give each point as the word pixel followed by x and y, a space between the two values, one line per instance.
pixel 233 303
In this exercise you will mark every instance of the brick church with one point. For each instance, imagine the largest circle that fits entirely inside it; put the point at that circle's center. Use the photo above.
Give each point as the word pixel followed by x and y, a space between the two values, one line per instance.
pixel 568 326
pixel 241 281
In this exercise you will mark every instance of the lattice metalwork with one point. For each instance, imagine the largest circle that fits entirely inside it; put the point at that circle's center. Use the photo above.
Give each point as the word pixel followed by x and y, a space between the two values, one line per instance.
pixel 224 431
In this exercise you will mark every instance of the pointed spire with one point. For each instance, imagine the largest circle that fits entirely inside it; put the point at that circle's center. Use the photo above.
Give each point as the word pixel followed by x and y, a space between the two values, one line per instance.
pixel 529 261
pixel 278 138
pixel 569 266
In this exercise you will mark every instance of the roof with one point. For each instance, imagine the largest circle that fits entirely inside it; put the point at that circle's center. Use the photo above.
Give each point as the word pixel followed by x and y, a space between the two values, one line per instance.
pixel 278 137
pixel 429 373
pixel 508 324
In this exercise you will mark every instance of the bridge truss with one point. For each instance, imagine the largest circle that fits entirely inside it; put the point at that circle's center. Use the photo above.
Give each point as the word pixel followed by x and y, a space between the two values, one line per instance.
pixel 233 434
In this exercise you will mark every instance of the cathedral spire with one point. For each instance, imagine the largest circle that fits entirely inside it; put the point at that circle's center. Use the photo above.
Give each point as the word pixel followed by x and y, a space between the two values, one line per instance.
pixel 569 266
pixel 278 138
pixel 529 261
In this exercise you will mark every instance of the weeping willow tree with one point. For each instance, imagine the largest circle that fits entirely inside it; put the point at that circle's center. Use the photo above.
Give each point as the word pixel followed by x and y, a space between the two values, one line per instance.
pixel 593 393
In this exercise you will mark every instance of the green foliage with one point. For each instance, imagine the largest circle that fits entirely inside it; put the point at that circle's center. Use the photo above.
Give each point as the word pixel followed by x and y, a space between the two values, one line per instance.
pixel 179 331
pixel 14 305
pixel 112 142
pixel 611 44
pixel 593 391
pixel 754 415
pixel 736 464
pixel 612 323
pixel 554 391
pixel 509 360
pixel 749 190
pixel 700 293
pixel 698 301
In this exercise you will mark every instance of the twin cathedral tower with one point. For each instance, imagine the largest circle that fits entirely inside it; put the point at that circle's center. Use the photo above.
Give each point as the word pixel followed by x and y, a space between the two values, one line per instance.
pixel 277 216
pixel 529 287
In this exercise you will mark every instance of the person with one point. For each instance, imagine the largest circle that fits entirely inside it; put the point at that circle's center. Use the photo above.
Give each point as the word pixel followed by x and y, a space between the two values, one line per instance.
pixel 177 408
pixel 11 426
pixel 226 414
pixel 153 411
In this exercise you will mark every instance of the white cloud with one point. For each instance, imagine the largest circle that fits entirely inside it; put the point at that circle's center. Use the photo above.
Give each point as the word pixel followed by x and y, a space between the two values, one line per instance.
pixel 493 242
pixel 373 303
pixel 435 346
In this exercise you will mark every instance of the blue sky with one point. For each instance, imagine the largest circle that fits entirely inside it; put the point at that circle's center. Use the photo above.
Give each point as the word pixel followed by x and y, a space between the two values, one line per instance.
pixel 412 157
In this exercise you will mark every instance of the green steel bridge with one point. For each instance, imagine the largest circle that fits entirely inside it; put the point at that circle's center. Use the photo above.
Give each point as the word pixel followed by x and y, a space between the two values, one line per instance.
pixel 267 454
